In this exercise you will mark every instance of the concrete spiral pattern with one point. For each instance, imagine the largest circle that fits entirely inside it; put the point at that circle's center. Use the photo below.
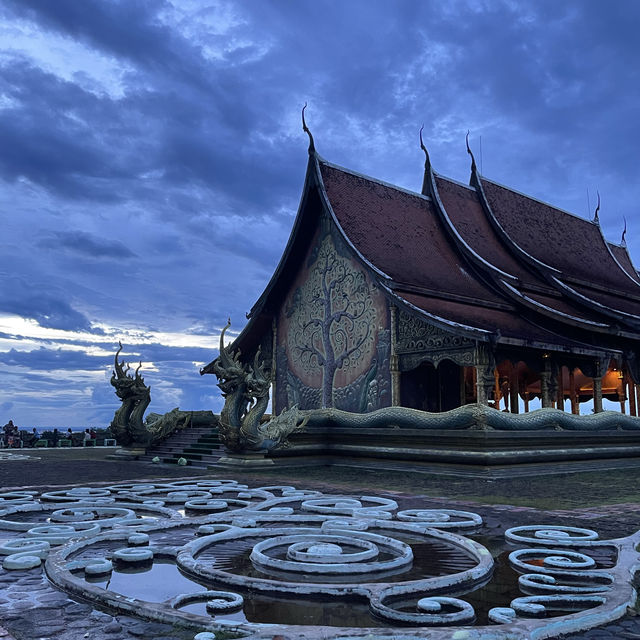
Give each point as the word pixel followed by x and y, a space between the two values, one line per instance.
pixel 279 542
pixel 556 535
pixel 357 553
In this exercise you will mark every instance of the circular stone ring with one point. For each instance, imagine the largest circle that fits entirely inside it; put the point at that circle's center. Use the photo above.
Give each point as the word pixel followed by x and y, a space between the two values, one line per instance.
pixel 326 555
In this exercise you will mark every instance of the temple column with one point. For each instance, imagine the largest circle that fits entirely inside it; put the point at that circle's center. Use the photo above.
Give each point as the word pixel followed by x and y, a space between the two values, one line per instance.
pixel 623 392
pixel 545 378
pixel 393 361
pixel 497 395
pixel 485 380
pixel 633 407
pixel 514 388
pixel 544 383
pixel 560 390
pixel 597 395
pixel 485 373
pixel 573 397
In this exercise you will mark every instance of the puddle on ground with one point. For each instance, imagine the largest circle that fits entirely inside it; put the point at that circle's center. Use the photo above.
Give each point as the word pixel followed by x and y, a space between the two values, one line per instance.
pixel 163 581
pixel 156 583
pixel 265 610
pixel 431 558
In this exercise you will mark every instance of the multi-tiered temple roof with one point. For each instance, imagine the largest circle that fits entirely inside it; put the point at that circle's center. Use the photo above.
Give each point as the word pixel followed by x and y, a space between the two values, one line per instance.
pixel 480 261
pixel 483 259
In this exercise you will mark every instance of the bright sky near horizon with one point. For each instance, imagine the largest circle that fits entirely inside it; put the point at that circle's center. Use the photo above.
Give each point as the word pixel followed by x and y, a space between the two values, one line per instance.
pixel 152 157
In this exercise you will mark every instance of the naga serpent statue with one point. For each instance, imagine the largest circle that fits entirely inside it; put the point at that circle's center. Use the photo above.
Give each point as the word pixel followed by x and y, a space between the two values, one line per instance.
pixel 474 417
pixel 127 425
pixel 245 389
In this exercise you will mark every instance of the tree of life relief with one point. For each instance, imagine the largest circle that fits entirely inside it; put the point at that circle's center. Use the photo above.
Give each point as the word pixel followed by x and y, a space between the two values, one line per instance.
pixel 332 321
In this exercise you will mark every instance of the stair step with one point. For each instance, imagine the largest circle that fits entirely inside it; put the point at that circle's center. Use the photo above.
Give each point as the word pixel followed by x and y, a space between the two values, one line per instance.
pixel 199 446
pixel 188 456
pixel 198 450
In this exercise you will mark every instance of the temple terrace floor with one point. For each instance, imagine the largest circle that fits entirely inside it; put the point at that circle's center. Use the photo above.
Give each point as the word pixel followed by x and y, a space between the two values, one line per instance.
pixel 607 501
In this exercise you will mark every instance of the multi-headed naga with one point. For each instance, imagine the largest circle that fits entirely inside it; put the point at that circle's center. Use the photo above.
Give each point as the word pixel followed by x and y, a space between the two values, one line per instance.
pixel 245 388
pixel 127 424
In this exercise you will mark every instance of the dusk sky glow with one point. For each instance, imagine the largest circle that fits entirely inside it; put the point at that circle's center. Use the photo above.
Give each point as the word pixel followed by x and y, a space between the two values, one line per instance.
pixel 152 157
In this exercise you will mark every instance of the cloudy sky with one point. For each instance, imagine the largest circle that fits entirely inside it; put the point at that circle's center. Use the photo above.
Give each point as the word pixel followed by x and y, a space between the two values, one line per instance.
pixel 151 157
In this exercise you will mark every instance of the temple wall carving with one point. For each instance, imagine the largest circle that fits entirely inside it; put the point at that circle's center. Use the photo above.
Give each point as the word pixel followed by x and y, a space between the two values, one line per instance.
pixel 333 334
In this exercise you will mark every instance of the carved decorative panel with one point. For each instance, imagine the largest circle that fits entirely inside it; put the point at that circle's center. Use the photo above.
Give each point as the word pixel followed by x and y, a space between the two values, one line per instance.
pixel 419 341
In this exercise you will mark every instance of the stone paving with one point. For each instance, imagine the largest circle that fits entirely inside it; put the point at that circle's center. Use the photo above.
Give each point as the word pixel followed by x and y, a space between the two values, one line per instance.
pixel 11 456
pixel 30 607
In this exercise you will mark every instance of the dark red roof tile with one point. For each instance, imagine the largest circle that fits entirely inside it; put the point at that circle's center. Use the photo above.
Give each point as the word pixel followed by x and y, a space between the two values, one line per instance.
pixel 573 245
pixel 399 233
pixel 622 256
pixel 463 206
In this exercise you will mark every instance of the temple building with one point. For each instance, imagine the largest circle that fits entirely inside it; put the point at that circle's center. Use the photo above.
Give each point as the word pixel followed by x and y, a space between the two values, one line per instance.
pixel 454 295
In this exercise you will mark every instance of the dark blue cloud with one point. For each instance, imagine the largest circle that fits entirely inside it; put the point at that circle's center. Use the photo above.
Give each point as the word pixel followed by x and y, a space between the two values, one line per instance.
pixel 49 308
pixel 45 358
pixel 121 28
pixel 87 245
pixel 40 141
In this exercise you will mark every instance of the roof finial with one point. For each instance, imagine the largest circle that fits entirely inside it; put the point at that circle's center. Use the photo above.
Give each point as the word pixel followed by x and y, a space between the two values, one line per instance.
pixel 312 147
pixel 473 160
pixel 596 219
pixel 427 167
pixel 623 241
pixel 427 161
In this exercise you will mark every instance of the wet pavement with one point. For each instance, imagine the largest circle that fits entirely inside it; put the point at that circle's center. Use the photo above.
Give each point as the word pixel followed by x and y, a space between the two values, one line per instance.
pixel 31 608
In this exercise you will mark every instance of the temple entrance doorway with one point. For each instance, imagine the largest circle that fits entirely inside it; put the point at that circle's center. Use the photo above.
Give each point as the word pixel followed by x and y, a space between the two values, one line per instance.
pixel 433 389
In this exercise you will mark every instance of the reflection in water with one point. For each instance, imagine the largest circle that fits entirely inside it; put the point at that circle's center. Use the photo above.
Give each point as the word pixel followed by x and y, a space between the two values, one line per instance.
pixel 164 581
pixel 431 558
pixel 157 583
pixel 334 612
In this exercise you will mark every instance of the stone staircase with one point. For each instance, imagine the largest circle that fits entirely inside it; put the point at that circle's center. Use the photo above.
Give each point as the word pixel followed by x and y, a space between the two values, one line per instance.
pixel 199 446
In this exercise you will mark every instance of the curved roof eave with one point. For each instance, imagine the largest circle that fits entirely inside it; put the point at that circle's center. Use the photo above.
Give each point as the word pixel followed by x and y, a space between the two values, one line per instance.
pixel 623 247
pixel 496 274
pixel 292 236
pixel 442 323
pixel 484 335
pixel 582 350
pixel 544 268
pixel 608 311
pixel 554 313
pixel 460 242
pixel 531 261
pixel 551 274
pixel 620 267
pixel 313 178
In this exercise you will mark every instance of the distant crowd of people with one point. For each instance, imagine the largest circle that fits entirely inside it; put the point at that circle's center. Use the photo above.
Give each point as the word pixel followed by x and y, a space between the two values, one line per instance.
pixel 15 438
pixel 11 435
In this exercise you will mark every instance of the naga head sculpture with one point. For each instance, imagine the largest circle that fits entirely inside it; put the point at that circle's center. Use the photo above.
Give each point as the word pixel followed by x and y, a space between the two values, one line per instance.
pixel 258 380
pixel 125 384
pixel 227 366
